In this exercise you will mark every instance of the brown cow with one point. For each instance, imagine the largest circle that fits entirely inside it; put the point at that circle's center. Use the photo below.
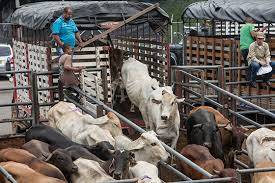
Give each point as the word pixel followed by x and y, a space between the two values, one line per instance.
pixel 232 135
pixel 24 174
pixel 202 157
pixel 264 177
pixel 23 156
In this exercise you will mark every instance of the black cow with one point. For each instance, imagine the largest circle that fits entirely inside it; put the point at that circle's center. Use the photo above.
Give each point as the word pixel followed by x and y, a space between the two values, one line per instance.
pixel 77 151
pixel 118 167
pixel 49 135
pixel 202 130
pixel 63 161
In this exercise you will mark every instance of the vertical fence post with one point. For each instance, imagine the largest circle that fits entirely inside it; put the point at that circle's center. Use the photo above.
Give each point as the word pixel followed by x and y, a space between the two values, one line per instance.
pixel 60 91
pixel 239 177
pixel 202 88
pixel 35 103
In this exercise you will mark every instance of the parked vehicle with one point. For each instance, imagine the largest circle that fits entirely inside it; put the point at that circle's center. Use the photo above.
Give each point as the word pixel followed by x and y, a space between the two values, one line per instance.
pixel 6 58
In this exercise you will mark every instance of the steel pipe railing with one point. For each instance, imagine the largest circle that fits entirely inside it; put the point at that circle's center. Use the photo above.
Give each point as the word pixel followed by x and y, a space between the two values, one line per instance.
pixel 221 106
pixel 178 173
pixel 7 175
pixel 16 88
pixel 231 95
pixel 122 181
pixel 227 179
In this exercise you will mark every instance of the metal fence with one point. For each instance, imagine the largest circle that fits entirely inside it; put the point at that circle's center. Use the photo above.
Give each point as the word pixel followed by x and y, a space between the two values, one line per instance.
pixel 34 117
pixel 194 87
pixel 185 71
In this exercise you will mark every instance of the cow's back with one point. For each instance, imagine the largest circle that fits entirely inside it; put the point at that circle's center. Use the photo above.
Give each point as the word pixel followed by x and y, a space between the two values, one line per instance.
pixel 24 157
pixel 264 177
pixel 58 110
pixel 38 148
pixel 137 81
pixel 48 135
pixel 202 157
pixel 24 174
pixel 89 170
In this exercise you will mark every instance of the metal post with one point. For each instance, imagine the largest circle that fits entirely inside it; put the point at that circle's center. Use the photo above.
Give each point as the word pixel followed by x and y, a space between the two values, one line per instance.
pixel 35 103
pixel 239 177
pixel 202 88
pixel 7 175
pixel 60 91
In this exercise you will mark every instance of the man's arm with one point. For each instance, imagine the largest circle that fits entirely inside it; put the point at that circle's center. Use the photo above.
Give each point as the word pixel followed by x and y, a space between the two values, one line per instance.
pixel 77 35
pixel 252 54
pixel 68 65
pixel 55 32
pixel 267 55
pixel 57 40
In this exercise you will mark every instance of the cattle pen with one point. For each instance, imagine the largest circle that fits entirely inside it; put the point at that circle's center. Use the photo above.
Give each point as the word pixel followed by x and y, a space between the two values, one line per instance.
pixel 36 87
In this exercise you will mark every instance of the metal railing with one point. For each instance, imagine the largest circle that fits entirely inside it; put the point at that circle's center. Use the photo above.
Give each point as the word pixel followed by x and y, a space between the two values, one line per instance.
pixel 169 149
pixel 201 83
pixel 34 117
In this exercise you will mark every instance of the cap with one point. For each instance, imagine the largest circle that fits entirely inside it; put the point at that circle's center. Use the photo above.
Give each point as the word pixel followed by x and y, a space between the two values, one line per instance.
pixel 260 35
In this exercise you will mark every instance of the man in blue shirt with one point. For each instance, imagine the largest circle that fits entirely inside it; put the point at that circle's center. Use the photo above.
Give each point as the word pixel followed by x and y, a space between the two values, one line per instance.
pixel 64 31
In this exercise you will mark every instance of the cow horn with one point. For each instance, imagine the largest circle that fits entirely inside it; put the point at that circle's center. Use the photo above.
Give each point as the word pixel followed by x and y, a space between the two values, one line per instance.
pixel 228 127
pixel 245 129
pixel 180 100
pixel 216 172
pixel 273 149
pixel 163 92
pixel 197 126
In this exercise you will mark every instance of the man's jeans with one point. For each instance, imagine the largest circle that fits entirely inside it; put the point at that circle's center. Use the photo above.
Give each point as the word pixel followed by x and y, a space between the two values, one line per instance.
pixel 60 52
pixel 254 68
pixel 244 53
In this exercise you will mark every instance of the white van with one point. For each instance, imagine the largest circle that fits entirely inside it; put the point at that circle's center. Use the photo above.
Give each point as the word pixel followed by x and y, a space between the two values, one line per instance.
pixel 6 58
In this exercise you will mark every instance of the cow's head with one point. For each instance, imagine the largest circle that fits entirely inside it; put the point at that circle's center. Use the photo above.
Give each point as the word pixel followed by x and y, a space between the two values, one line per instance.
pixel 63 161
pixel 121 162
pixel 203 130
pixel 167 101
pixel 238 136
pixel 149 147
pixel 104 150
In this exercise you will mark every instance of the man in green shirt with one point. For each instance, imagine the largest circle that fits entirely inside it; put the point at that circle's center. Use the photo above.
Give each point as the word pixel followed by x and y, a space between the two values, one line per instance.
pixel 247 34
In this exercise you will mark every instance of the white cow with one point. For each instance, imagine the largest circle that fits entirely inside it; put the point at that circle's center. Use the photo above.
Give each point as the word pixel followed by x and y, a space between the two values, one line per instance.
pixel 58 110
pixel 158 105
pixel 67 110
pixel 89 171
pixel 160 112
pixel 261 146
pixel 75 126
pixel 146 148
pixel 144 171
pixel 137 81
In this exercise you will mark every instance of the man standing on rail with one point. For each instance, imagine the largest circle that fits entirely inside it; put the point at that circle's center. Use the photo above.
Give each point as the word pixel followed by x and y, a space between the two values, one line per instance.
pixel 64 31
pixel 247 34
pixel 259 60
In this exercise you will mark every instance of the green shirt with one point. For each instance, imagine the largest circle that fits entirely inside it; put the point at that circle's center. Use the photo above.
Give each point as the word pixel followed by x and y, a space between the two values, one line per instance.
pixel 245 36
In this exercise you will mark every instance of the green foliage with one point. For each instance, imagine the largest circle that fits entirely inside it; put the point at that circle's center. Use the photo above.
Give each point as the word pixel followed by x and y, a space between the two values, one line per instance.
pixel 175 7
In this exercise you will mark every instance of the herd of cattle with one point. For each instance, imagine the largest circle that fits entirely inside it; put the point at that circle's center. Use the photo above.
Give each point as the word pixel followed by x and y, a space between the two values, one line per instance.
pixel 78 148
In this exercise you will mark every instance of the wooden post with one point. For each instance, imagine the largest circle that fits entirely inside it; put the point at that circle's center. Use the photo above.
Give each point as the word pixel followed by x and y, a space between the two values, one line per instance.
pixel 105 33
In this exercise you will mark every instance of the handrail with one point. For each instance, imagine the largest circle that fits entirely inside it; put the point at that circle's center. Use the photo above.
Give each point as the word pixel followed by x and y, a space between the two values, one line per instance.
pixel 229 94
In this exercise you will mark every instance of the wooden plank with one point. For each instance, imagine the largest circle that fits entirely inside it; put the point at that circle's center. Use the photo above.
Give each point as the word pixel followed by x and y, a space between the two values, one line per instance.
pixel 137 15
